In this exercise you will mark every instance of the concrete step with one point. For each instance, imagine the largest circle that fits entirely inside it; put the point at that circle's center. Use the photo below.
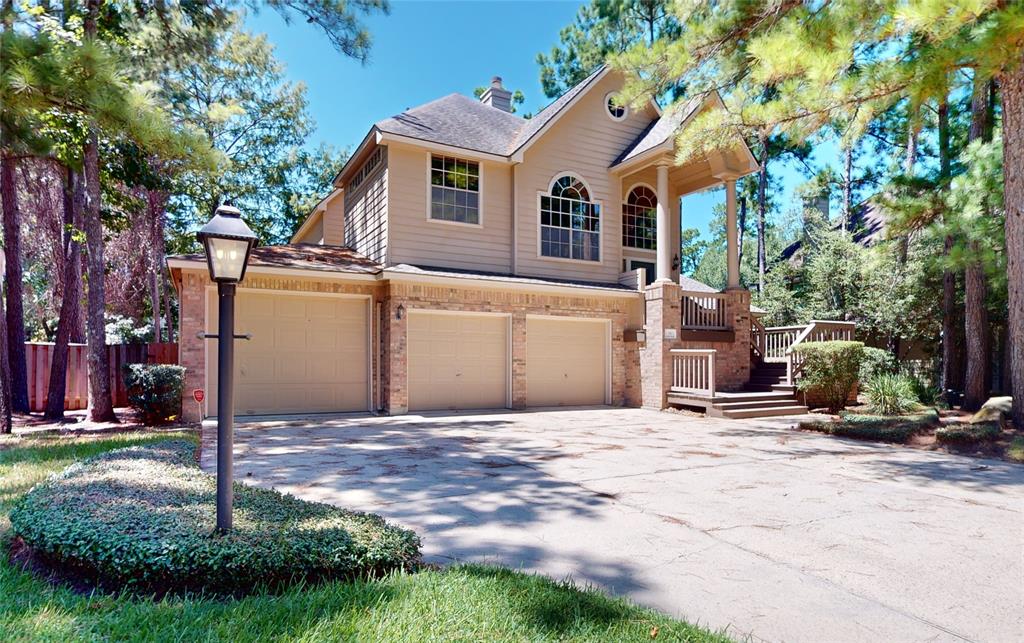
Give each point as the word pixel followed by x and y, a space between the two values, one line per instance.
pixel 740 414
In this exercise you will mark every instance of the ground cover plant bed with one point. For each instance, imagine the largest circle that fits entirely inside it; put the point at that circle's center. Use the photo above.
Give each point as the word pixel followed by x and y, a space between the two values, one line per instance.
pixel 458 603
pixel 142 519
pixel 880 428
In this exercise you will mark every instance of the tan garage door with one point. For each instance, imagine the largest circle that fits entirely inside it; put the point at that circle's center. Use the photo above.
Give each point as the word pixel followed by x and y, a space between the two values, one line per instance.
pixel 566 361
pixel 457 361
pixel 308 354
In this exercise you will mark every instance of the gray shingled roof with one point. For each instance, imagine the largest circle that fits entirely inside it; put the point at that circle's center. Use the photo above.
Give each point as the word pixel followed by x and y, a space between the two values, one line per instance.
pixel 306 256
pixel 459 121
pixel 464 122
pixel 660 130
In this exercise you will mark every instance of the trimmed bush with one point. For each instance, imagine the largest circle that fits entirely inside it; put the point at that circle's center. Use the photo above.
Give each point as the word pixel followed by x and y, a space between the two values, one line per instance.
pixel 143 519
pixel 875 362
pixel 968 433
pixel 891 394
pixel 879 428
pixel 154 390
pixel 830 369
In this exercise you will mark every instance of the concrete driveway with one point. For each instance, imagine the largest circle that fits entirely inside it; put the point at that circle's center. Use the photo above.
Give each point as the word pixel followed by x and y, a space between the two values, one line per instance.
pixel 746 525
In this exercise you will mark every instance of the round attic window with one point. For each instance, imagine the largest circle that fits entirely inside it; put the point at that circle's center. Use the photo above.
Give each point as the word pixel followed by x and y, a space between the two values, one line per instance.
pixel 615 111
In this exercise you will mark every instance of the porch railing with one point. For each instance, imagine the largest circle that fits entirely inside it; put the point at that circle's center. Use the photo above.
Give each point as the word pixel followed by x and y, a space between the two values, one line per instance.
pixel 693 371
pixel 773 342
pixel 816 331
pixel 704 310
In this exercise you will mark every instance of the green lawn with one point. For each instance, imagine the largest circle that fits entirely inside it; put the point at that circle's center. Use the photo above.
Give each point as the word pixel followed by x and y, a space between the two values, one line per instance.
pixel 468 603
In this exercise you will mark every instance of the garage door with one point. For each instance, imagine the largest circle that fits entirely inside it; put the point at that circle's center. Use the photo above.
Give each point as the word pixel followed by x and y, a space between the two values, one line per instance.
pixel 566 361
pixel 457 361
pixel 308 354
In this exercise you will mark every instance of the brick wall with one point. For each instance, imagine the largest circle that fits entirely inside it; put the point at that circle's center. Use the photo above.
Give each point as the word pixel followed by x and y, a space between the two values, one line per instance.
pixel 519 305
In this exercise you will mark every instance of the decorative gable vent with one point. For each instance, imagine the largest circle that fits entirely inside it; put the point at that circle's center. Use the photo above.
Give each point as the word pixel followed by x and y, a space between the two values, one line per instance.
pixel 368 168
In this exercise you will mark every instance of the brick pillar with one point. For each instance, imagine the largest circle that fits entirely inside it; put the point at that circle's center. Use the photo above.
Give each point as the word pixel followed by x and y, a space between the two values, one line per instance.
pixel 519 360
pixel 191 349
pixel 396 372
pixel 733 364
pixel 663 314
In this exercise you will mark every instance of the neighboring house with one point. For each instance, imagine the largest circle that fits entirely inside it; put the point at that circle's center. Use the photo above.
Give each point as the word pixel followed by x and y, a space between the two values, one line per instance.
pixel 868 225
pixel 470 258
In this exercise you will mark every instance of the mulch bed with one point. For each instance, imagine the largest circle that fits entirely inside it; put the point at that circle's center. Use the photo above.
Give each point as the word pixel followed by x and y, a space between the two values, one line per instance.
pixel 77 424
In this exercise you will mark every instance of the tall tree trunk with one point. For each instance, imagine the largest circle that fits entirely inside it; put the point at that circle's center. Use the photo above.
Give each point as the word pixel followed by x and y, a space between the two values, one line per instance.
pixel 1012 87
pixel 762 207
pixel 168 314
pixel 101 404
pixel 909 164
pixel 743 227
pixel 976 330
pixel 69 305
pixel 5 368
pixel 155 203
pixel 15 289
pixel 951 367
pixel 847 186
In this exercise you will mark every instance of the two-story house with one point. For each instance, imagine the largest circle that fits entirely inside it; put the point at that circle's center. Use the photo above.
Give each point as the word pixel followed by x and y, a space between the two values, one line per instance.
pixel 470 258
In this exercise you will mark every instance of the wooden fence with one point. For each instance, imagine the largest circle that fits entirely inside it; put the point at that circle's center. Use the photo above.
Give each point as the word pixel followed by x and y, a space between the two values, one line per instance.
pixel 76 395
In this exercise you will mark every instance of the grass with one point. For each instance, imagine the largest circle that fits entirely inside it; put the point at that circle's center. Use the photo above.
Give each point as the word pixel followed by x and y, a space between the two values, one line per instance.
pixel 880 428
pixel 459 603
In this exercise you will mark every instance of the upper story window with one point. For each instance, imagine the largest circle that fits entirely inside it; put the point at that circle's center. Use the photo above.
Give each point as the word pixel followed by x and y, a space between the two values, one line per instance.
pixel 570 223
pixel 454 190
pixel 616 111
pixel 640 219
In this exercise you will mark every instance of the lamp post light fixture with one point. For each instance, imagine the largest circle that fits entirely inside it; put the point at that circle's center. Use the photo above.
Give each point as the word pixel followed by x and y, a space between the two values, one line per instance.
pixel 227 242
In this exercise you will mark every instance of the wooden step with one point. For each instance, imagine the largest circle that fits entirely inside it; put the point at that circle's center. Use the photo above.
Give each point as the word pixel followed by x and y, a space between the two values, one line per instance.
pixel 726 398
pixel 740 414
pixel 756 404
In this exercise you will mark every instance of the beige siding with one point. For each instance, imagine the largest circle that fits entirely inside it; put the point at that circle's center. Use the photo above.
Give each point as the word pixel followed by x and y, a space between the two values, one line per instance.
pixel 415 239
pixel 584 141
pixel 333 224
pixel 315 234
pixel 366 214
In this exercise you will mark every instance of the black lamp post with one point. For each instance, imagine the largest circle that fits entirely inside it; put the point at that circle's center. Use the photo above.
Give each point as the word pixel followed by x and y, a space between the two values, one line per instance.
pixel 228 242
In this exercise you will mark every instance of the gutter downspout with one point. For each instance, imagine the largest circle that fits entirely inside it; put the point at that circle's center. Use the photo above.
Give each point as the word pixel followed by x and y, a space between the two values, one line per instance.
pixel 515 218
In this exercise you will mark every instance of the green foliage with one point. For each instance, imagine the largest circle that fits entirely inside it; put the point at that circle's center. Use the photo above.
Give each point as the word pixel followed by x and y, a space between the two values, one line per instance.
pixel 1015 451
pixel 876 361
pixel 890 394
pixel 830 369
pixel 926 393
pixel 880 428
pixel 123 330
pixel 968 433
pixel 142 518
pixel 154 390
pixel 691 251
pixel 601 28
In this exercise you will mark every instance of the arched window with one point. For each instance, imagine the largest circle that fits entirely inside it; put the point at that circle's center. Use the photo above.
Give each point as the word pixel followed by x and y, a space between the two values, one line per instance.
pixel 570 223
pixel 640 219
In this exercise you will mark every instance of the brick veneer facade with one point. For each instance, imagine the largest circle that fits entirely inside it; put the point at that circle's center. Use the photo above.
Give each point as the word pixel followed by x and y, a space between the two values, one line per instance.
pixel 664 317
pixel 393 394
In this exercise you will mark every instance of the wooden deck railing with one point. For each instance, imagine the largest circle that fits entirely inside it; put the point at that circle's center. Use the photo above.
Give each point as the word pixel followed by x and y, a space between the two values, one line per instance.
pixel 693 371
pixel 775 344
pixel 774 341
pixel 704 310
pixel 816 331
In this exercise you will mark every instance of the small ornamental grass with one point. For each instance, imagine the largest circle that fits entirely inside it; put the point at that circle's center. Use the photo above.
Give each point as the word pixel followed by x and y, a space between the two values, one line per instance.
pixel 143 519
pixel 891 394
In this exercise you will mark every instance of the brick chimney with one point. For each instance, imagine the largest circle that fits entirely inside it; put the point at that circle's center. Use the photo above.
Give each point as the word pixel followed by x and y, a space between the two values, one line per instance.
pixel 497 96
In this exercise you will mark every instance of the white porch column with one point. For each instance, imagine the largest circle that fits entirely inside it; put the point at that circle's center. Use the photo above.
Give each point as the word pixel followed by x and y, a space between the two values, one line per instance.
pixel 733 257
pixel 664 240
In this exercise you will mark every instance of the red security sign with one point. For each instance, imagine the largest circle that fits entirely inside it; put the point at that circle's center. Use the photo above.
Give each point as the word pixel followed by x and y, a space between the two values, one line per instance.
pixel 198 395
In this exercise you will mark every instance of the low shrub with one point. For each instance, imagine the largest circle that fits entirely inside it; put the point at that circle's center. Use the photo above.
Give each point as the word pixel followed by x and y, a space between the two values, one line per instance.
pixel 890 394
pixel 876 361
pixel 879 428
pixel 143 519
pixel 968 433
pixel 830 369
pixel 1015 451
pixel 154 390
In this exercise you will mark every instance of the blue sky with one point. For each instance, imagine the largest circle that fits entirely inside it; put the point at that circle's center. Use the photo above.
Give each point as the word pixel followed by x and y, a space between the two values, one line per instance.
pixel 426 49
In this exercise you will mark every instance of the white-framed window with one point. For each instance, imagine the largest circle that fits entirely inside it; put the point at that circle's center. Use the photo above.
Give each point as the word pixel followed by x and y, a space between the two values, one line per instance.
pixel 640 219
pixel 570 222
pixel 615 111
pixel 454 190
